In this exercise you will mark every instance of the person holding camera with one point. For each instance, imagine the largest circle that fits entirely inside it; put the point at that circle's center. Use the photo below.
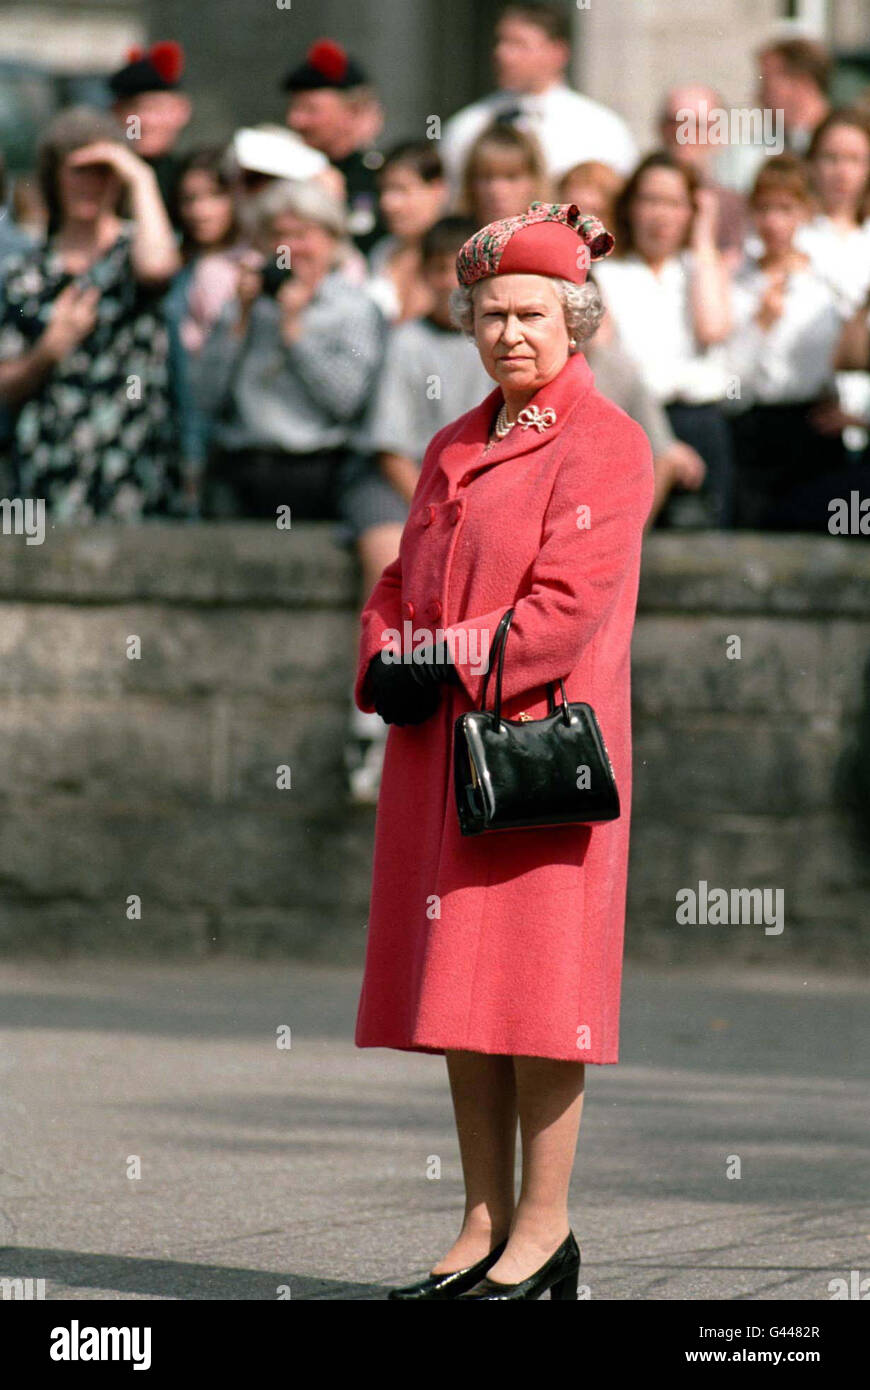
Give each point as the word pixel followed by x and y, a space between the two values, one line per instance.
pixel 289 366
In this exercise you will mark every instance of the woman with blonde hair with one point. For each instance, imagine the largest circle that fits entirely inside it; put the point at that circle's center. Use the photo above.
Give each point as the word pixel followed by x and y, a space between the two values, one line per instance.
pixel 505 171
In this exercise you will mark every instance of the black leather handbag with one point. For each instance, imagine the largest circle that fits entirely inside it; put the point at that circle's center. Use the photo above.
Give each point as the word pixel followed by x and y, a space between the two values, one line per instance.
pixel 514 773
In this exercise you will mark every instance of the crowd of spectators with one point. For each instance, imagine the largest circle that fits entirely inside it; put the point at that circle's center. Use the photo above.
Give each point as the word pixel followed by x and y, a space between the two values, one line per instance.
pixel 221 332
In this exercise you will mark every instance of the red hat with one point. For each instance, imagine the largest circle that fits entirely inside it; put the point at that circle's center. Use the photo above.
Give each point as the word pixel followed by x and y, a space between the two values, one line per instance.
pixel 548 239
pixel 326 64
pixel 158 70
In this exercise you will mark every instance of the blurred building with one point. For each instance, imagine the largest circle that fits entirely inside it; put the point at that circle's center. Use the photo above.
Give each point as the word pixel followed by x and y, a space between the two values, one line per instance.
pixel 428 56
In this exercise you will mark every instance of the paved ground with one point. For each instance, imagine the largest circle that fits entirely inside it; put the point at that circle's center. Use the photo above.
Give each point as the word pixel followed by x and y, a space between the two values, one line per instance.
pixel 306 1167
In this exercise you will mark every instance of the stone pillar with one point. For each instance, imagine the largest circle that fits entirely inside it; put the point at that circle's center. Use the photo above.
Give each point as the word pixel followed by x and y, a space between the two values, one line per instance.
pixel 627 54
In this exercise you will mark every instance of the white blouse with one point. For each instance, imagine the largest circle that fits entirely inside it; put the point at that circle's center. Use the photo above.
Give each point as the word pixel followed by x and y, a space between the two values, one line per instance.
pixel 379 283
pixel 843 261
pixel 653 316
pixel 792 360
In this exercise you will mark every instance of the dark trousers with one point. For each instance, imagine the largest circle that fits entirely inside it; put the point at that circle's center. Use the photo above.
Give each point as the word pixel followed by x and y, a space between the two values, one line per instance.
pixel 787 472
pixel 256 482
pixel 705 428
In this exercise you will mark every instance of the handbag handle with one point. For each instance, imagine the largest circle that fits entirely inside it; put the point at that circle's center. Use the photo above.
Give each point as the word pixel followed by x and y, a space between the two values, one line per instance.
pixel 500 641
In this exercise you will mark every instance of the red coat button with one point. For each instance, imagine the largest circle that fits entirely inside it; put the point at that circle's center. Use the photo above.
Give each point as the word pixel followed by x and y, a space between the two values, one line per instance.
pixel 408 608
pixel 435 609
pixel 429 515
pixel 457 513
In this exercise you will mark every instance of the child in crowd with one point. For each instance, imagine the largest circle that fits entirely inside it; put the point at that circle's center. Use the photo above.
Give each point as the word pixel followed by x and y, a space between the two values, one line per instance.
pixel 788 322
pixel 412 191
pixel 431 375
pixel 504 172
pixel 594 187
pixel 202 205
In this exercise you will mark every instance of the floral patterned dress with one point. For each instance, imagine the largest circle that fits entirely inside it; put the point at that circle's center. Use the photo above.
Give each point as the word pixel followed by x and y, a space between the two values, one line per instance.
pixel 96 438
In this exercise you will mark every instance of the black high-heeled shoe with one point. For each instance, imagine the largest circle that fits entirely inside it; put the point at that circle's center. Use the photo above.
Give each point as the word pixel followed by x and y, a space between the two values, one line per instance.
pixel 559 1274
pixel 451 1284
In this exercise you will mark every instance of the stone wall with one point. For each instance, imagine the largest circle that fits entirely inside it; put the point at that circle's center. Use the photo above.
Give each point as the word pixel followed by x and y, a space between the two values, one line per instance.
pixel 157 776
pixel 745 768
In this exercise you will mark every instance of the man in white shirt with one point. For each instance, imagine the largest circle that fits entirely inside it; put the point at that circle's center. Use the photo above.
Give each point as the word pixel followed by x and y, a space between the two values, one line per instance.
pixel 795 75
pixel 532 50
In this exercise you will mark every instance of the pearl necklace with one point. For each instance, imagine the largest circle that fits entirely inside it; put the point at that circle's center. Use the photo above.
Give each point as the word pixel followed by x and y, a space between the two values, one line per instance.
pixel 500 430
pixel 530 417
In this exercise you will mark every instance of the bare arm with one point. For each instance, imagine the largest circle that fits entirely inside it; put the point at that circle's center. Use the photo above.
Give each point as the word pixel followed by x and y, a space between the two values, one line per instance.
pixel 853 349
pixel 73 315
pixel 678 465
pixel 710 288
pixel 401 472
pixel 153 250
pixel 661 493
pixel 21 377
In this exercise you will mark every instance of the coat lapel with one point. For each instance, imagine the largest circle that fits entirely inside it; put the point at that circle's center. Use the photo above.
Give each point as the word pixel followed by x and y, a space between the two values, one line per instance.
pixel 463 457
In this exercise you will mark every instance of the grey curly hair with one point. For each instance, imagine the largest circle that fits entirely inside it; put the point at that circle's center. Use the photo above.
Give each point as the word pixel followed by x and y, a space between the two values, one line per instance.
pixel 306 199
pixel 582 305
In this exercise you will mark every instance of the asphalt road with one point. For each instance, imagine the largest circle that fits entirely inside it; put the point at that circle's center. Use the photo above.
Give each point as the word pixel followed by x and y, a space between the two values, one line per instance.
pixel 306 1167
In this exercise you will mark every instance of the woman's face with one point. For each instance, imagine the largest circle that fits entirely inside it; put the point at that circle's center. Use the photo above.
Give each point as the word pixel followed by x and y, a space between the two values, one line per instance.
pixel 501 185
pixel 777 215
pixel 661 213
pixel 439 275
pixel 311 246
pixel 588 195
pixel 409 204
pixel 87 191
pixel 520 331
pixel 841 167
pixel 206 209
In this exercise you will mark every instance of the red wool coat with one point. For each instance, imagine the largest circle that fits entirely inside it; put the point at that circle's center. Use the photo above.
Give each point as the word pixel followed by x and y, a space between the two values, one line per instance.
pixel 508 942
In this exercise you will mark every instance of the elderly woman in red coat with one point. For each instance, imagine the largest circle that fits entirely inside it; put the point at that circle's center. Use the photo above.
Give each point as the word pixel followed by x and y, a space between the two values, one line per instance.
pixel 503 952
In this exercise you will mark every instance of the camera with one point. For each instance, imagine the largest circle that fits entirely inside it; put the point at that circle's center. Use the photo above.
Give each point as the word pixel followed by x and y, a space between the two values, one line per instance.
pixel 274 276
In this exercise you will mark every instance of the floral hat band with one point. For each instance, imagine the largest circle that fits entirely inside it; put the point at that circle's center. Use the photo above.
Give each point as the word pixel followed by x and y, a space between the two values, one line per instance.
pixel 547 239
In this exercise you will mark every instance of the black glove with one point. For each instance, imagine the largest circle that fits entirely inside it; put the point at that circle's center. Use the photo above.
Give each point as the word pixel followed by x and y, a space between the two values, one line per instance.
pixel 434 673
pixel 407 692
